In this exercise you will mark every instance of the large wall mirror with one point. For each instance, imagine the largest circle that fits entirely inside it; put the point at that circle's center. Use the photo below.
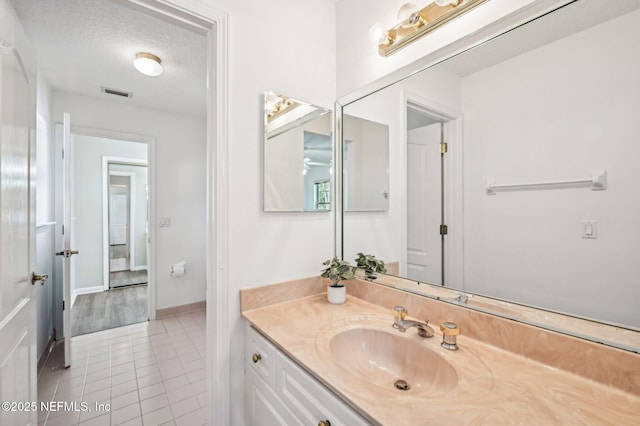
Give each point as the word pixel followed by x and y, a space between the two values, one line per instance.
pixel 297 155
pixel 537 184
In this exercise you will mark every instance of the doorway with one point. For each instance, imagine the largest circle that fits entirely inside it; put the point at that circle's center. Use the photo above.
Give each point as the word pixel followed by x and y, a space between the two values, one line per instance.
pixel 425 192
pixel 127 223
pixel 434 193
pixel 109 208
pixel 213 24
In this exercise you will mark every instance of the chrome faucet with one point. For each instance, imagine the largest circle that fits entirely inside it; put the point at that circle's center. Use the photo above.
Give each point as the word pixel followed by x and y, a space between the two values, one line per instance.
pixel 401 324
pixel 462 298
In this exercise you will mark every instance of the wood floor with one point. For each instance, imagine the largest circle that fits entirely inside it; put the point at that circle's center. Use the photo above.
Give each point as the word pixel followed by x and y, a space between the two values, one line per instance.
pixel 109 309
pixel 123 278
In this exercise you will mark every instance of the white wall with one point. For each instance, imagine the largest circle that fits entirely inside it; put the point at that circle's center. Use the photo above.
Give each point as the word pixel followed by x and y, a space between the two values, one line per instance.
pixel 366 158
pixel 514 134
pixel 287 46
pixel 357 58
pixel 180 151
pixel 86 205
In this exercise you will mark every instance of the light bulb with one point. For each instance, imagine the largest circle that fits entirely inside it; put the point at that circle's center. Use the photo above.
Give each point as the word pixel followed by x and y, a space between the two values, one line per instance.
pixel 443 3
pixel 406 11
pixel 376 32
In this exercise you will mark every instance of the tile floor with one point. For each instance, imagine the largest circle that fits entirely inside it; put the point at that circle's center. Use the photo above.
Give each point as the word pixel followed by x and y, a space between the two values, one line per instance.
pixel 152 373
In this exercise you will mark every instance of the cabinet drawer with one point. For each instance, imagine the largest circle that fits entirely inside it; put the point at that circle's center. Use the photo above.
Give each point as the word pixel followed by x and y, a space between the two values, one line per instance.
pixel 260 355
pixel 309 400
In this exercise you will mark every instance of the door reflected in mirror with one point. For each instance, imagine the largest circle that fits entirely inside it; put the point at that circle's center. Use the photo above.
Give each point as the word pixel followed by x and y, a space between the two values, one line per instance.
pixel 297 155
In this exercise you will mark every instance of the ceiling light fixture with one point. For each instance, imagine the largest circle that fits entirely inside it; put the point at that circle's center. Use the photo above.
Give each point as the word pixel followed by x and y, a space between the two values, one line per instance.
pixel 148 64
pixel 415 23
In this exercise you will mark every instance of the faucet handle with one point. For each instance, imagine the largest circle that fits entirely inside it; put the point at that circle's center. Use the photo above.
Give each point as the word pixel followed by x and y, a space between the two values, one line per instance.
pixel 399 313
pixel 450 328
pixel 449 332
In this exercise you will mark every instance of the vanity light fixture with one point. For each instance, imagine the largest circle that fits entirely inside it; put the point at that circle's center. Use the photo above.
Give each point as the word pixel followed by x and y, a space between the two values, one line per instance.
pixel 148 64
pixel 415 23
pixel 276 105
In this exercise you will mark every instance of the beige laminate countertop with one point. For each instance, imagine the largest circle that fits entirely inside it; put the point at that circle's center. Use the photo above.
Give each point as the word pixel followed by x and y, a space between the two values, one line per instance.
pixel 495 387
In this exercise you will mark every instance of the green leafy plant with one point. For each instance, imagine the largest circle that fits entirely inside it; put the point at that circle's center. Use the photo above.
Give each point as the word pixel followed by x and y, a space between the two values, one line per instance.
pixel 337 270
pixel 370 264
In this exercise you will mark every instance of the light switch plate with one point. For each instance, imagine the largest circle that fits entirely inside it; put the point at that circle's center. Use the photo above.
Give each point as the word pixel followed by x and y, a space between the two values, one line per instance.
pixel 590 229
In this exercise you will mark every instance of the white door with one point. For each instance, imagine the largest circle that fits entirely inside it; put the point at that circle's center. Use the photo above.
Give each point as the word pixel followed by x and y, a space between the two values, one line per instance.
pixel 68 252
pixel 118 218
pixel 424 254
pixel 18 356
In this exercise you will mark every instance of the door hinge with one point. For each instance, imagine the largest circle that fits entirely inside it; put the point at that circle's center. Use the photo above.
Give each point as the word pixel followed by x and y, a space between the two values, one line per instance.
pixel 444 229
pixel 443 147
pixel 63 153
pixel 62 229
pixel 63 305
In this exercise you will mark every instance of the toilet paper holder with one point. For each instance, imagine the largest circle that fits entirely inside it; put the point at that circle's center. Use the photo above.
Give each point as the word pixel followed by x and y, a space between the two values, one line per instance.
pixel 177 269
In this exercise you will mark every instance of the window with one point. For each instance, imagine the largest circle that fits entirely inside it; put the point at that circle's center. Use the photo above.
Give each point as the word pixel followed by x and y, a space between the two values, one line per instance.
pixel 323 195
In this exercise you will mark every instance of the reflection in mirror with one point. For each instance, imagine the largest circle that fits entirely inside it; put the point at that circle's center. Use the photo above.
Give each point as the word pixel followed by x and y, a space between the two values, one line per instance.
pixel 551 103
pixel 297 155
pixel 365 165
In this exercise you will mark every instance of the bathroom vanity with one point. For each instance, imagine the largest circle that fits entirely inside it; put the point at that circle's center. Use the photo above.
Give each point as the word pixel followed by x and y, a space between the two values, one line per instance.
pixel 307 362
pixel 279 391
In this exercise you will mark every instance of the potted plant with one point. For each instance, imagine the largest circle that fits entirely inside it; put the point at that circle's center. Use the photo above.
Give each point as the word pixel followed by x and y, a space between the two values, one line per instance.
pixel 370 264
pixel 337 270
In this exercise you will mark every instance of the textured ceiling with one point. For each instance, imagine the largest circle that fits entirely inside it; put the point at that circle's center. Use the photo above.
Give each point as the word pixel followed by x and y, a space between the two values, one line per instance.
pixel 82 45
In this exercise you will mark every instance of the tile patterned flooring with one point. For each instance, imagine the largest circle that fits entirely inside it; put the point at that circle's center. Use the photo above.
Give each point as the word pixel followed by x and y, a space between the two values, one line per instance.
pixel 152 373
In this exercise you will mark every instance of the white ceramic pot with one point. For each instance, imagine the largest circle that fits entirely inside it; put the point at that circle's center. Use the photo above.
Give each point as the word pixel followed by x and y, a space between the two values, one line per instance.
pixel 336 294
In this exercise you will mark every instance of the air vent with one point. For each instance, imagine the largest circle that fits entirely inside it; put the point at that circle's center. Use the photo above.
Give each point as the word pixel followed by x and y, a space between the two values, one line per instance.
pixel 117 92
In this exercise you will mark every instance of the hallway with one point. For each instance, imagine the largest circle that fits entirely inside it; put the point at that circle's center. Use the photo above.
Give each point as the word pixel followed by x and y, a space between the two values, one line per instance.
pixel 151 373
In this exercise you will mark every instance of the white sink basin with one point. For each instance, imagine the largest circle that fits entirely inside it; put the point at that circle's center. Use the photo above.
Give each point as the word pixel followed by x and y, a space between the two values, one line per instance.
pixel 381 358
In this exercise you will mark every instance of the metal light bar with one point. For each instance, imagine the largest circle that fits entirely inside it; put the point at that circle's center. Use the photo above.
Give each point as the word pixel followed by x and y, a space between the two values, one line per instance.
pixel 423 22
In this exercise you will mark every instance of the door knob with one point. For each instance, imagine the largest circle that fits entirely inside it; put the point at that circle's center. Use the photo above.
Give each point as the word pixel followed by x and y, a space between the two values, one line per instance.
pixel 324 423
pixel 37 277
pixel 67 253
pixel 256 358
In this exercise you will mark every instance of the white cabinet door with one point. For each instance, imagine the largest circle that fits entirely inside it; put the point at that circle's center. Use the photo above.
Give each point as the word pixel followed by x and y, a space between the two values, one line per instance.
pixel 311 401
pixel 263 407
pixel 280 392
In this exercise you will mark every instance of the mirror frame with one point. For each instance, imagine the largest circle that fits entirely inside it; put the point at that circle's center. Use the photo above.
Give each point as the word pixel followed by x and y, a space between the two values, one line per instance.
pixel 494 30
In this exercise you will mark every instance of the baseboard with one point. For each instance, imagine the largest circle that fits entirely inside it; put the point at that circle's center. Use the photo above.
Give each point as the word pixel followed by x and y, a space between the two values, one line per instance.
pixel 139 268
pixel 45 355
pixel 177 310
pixel 85 290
